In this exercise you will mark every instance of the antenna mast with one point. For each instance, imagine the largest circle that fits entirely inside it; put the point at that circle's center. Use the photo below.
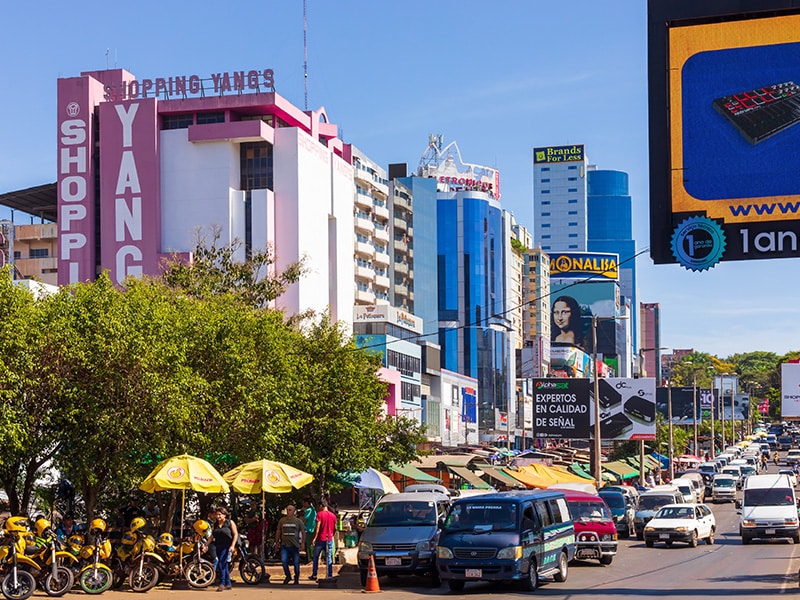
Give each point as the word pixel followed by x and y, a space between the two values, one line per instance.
pixel 305 56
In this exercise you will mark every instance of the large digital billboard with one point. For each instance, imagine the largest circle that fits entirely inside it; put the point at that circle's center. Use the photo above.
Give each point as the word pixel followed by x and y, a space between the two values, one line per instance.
pixel 724 99
pixel 683 404
pixel 561 408
pixel 627 409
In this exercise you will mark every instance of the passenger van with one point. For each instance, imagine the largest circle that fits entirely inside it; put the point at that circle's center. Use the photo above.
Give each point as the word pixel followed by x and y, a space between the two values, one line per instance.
pixel 769 509
pixel 649 503
pixel 507 536
pixel 595 532
pixel 401 535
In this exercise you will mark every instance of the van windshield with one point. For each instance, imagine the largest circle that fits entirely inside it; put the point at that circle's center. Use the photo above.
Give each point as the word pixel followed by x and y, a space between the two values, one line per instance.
pixel 614 500
pixel 589 511
pixel 408 513
pixel 768 497
pixel 483 516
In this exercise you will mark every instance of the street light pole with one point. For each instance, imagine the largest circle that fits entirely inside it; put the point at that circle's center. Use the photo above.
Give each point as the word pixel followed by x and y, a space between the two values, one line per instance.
pixel 669 414
pixel 694 411
pixel 596 447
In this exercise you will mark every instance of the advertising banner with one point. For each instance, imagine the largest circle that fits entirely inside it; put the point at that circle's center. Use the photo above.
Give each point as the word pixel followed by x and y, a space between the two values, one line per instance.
pixel 725 174
pixel 627 409
pixel 568 361
pixel 583 265
pixel 561 408
pixel 682 404
pixel 706 399
pixel 574 305
pixel 790 390
pixel 740 409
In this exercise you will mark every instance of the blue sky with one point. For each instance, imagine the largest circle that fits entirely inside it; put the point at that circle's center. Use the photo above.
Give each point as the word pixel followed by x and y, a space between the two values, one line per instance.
pixel 498 78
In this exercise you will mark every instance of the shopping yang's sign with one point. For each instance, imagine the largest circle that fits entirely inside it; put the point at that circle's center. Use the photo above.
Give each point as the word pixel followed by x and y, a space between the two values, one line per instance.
pixel 561 408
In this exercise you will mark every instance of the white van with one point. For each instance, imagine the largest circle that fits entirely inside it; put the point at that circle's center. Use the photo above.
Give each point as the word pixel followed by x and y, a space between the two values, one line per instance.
pixel 769 509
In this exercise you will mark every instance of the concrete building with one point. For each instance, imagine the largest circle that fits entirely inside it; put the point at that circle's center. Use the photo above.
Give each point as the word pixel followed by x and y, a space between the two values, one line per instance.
pixel 650 340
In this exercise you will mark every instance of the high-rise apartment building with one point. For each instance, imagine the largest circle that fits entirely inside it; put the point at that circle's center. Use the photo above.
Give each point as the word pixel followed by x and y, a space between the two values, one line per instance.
pixel 650 340
pixel 536 325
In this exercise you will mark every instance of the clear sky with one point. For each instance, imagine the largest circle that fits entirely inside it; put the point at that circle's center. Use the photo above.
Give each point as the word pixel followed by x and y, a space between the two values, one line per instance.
pixel 497 77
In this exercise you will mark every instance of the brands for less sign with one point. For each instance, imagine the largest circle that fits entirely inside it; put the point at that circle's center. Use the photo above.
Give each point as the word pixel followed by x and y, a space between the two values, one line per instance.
pixel 558 154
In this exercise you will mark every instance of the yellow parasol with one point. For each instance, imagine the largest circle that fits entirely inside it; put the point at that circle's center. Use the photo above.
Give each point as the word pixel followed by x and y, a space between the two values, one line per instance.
pixel 266 476
pixel 181 473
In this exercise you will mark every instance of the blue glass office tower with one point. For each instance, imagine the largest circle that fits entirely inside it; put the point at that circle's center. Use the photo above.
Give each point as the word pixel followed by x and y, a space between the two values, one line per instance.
pixel 474 330
pixel 610 229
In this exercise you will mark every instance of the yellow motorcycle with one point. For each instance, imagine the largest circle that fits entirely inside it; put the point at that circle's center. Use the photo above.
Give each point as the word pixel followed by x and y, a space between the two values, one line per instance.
pixel 95 576
pixel 24 562
pixel 136 559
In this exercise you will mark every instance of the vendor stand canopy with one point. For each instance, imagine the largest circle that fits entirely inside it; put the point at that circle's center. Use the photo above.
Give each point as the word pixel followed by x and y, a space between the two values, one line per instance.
pixel 411 472
pixel 375 480
pixel 621 469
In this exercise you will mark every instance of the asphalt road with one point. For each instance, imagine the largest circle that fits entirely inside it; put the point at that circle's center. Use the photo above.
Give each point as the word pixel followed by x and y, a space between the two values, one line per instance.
pixel 725 570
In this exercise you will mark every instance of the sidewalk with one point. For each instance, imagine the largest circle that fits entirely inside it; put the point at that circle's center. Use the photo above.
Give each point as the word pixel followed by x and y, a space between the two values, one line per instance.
pixel 345 569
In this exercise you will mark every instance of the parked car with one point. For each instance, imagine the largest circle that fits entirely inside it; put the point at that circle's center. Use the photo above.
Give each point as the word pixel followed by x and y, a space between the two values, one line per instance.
pixel 687 523
pixel 792 458
pixel 622 509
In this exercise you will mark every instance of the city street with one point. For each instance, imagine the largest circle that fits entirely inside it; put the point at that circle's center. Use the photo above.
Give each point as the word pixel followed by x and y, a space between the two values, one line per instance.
pixel 726 569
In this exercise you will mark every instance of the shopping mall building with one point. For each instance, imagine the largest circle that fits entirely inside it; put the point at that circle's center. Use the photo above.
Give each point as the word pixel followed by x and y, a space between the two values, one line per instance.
pixel 142 163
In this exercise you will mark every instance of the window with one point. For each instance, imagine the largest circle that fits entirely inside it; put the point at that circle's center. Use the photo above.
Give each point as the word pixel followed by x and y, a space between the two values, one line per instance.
pixel 407 365
pixel 572 201
pixel 545 224
pixel 409 391
pixel 573 224
pixel 573 235
pixel 38 253
pixel 255 165
pixel 546 237
pixel 545 168
pixel 545 191
pixel 177 121
pixel 572 190
pixel 573 246
pixel 545 214
pixel 545 247
pixel 573 167
pixel 543 512
pixel 572 179
pixel 572 212
pixel 545 202
pixel 545 181
pixel 216 116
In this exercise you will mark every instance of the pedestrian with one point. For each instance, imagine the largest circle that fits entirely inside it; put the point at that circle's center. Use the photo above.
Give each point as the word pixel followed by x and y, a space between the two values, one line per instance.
pixel 130 512
pixel 225 537
pixel 323 538
pixel 254 527
pixel 290 534
pixel 67 527
pixel 152 513
pixel 310 517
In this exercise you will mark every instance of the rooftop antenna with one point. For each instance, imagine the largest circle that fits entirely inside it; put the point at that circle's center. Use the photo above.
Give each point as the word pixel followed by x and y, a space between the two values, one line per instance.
pixel 108 51
pixel 305 56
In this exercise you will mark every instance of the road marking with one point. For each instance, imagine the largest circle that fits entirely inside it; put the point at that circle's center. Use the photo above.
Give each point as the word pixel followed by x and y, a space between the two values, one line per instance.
pixel 789 570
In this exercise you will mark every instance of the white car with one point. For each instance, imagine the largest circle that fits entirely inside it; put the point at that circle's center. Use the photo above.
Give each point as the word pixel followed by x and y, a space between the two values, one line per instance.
pixel 681 523
pixel 790 474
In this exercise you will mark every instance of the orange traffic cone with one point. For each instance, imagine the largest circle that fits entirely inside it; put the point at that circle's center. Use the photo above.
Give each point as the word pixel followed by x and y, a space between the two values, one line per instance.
pixel 372 578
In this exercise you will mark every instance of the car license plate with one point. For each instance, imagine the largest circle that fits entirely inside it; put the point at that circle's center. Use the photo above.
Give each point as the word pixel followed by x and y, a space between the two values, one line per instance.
pixel 663 536
pixel 474 573
pixel 769 531
pixel 393 561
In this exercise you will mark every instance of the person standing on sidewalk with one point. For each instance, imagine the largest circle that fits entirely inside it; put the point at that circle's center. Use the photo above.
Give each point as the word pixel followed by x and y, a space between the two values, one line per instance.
pixel 323 538
pixel 290 535
pixel 310 517
pixel 225 536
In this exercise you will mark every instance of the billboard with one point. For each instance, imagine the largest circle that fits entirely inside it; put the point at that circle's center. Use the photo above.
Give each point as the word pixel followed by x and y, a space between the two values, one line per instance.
pixel 561 408
pixel 572 307
pixel 725 173
pixel 558 154
pixel 599 265
pixel 627 409
pixel 740 409
pixel 568 361
pixel 683 404
pixel 790 390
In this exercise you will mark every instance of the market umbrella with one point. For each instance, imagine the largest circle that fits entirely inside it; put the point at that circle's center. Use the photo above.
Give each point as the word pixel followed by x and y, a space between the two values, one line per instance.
pixel 181 473
pixel 375 480
pixel 266 476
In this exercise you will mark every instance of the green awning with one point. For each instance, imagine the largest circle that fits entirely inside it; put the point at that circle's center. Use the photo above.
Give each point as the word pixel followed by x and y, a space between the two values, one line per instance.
pixel 621 469
pixel 578 470
pixel 650 463
pixel 470 477
pixel 414 473
pixel 500 475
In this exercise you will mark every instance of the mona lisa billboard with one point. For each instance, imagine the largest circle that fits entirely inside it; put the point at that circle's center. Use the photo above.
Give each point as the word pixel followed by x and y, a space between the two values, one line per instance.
pixel 572 308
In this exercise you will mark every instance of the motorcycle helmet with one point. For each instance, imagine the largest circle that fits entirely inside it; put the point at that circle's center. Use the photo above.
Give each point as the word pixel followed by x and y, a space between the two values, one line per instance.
pixel 137 524
pixel 98 525
pixel 166 539
pixel 41 526
pixel 128 538
pixel 201 527
pixel 16 524
pixel 75 543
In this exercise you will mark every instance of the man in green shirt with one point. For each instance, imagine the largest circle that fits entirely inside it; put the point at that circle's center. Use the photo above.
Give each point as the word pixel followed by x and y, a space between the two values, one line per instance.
pixel 290 535
pixel 310 516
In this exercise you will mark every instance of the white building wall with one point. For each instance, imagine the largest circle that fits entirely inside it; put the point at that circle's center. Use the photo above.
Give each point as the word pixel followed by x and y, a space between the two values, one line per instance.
pixel 342 242
pixel 197 181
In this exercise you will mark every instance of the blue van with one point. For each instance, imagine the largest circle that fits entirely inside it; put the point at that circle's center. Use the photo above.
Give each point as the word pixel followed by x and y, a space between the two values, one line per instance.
pixel 506 536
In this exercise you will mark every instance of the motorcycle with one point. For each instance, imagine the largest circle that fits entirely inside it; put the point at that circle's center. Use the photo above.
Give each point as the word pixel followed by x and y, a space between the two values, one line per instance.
pixel 136 559
pixel 95 576
pixel 251 567
pixel 25 563
pixel 185 561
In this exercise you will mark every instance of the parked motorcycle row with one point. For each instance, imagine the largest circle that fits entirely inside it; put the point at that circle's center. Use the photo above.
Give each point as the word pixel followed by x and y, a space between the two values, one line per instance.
pixel 34 557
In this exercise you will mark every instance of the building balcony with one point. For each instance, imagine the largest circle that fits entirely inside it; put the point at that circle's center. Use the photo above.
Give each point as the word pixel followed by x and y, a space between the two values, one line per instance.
pixel 36 267
pixel 381 234
pixel 365 226
pixel 37 231
pixel 381 259
pixel 365 250
pixel 401 289
pixel 400 201
pixel 365 297
pixel 400 224
pixel 365 273
pixel 401 268
pixel 381 212
pixel 382 282
pixel 400 246
pixel 364 201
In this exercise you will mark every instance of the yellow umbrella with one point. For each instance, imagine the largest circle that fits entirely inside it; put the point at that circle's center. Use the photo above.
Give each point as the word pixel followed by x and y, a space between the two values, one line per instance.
pixel 266 476
pixel 181 473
